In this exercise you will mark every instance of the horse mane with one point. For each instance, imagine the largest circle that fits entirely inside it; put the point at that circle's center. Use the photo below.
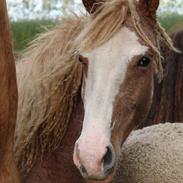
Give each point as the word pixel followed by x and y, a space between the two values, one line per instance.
pixel 49 76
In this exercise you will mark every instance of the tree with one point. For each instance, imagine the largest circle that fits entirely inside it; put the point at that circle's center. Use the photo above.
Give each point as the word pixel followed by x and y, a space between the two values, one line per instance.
pixel 171 6
pixel 29 9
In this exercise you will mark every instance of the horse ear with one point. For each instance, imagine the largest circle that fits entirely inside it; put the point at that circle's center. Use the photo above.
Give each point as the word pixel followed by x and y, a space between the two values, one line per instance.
pixel 150 6
pixel 92 5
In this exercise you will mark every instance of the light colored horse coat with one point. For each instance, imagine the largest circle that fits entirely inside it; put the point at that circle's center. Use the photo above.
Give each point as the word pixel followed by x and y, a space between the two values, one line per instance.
pixel 153 155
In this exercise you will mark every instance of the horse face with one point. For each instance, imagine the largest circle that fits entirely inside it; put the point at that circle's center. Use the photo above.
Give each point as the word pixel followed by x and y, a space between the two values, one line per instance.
pixel 117 93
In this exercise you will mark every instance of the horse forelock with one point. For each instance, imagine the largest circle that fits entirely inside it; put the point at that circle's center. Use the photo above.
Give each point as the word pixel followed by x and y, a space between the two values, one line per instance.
pixel 108 20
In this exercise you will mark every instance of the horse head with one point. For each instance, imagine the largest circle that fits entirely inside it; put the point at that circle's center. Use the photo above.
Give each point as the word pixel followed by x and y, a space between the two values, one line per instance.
pixel 117 86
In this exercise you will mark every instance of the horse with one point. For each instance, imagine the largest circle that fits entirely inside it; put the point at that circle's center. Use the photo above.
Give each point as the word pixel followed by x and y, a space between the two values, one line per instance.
pixel 152 154
pixel 167 100
pixel 83 87
pixel 8 100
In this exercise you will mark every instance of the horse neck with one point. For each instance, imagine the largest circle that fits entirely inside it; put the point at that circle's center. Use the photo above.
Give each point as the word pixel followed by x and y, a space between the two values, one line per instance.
pixel 59 164
pixel 74 126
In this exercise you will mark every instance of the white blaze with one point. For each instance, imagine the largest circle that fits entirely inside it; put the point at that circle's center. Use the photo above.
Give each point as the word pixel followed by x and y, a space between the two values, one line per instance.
pixel 106 72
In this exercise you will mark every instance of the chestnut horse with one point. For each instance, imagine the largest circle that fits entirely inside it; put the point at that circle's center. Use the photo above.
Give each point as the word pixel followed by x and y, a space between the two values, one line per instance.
pixel 84 86
pixel 168 96
pixel 8 100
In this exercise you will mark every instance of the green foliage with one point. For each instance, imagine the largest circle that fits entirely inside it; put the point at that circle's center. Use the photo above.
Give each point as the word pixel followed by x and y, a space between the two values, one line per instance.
pixel 171 22
pixel 25 31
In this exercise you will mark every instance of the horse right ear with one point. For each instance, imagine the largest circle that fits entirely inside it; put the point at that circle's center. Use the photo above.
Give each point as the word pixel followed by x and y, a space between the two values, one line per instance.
pixel 92 5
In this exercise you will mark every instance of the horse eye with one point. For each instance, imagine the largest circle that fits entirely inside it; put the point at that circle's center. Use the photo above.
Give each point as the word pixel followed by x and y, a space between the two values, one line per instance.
pixel 80 59
pixel 144 61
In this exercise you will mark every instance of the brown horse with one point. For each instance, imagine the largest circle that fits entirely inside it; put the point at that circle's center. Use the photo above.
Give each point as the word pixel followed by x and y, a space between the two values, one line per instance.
pixel 83 87
pixel 8 100
pixel 168 96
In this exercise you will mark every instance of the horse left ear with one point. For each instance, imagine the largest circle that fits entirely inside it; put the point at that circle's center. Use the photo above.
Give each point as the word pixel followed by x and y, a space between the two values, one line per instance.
pixel 92 5
pixel 150 6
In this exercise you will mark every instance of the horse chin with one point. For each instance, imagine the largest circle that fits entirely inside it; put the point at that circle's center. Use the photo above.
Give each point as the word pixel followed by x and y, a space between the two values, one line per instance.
pixel 104 179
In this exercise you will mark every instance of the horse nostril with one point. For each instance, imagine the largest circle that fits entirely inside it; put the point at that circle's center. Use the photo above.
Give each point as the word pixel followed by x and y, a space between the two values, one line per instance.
pixel 108 160
pixel 83 170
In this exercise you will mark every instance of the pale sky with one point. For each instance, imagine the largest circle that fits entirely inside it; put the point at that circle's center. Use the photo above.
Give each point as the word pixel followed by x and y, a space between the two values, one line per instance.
pixel 17 11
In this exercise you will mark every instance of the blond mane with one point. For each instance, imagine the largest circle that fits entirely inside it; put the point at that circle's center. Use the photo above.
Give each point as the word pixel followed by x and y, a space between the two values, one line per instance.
pixel 49 76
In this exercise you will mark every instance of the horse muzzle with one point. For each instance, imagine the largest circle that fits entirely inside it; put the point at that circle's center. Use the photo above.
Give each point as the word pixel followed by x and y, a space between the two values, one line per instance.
pixel 96 162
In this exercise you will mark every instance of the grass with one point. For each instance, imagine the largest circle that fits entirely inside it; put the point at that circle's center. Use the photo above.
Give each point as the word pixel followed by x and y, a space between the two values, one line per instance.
pixel 171 22
pixel 26 31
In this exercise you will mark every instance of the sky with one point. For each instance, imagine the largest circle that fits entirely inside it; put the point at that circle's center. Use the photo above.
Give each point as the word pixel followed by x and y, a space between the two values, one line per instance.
pixel 17 9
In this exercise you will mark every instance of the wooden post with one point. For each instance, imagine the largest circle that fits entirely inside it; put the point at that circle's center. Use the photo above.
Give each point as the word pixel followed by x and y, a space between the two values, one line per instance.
pixel 8 100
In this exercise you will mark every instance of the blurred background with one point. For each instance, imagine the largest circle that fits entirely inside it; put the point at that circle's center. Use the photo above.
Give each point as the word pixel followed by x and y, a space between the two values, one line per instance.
pixel 30 17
